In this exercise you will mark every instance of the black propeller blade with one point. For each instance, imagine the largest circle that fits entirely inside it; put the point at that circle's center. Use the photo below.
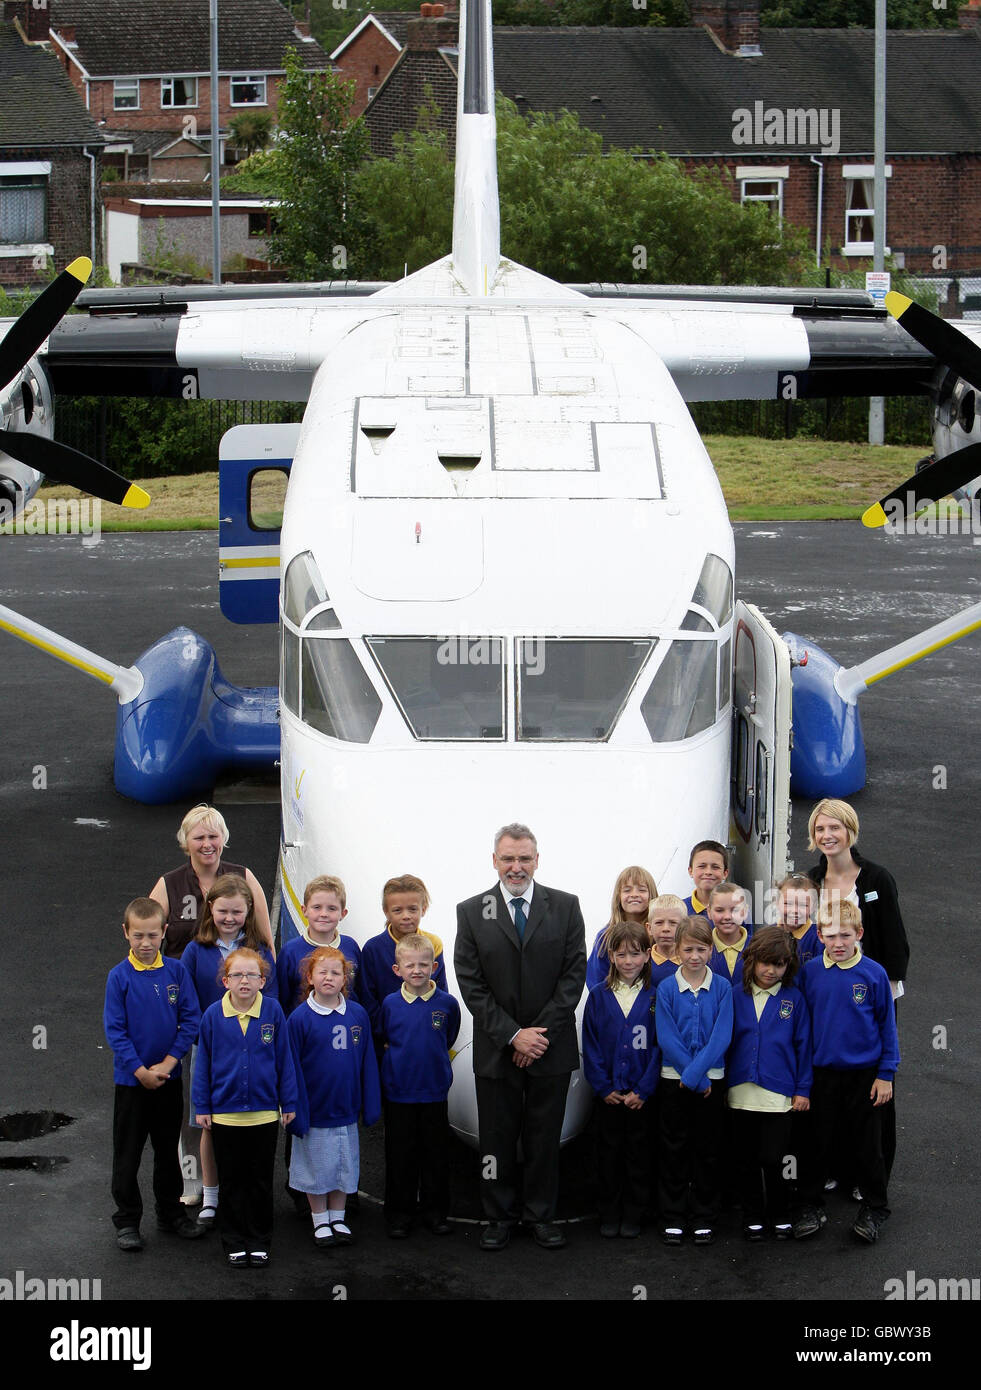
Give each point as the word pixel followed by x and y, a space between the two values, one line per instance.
pixel 67 465
pixel 24 337
pixel 946 475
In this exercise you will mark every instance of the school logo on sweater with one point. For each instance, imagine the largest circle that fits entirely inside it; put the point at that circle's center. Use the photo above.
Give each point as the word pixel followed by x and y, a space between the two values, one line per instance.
pixel 859 992
pixel 355 1033
pixel 267 1031
pixel 172 992
pixel 786 1008
pixel 439 1018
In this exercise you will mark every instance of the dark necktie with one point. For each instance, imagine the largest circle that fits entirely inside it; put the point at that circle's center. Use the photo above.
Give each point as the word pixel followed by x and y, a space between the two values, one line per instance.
pixel 520 919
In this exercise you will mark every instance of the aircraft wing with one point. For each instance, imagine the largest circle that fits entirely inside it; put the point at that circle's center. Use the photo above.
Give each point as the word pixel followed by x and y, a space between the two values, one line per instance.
pixel 728 343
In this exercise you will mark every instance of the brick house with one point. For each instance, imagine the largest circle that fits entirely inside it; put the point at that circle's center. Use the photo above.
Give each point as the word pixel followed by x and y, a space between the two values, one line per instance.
pixel 50 154
pixel 371 50
pixel 143 67
pixel 786 112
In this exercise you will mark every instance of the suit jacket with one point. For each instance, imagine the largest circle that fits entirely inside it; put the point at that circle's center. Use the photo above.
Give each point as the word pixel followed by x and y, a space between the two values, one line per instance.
pixel 508 985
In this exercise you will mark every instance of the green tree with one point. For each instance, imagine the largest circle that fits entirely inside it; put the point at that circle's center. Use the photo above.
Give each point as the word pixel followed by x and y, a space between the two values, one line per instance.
pixel 318 235
pixel 408 199
pixel 251 130
pixel 574 213
pixel 857 14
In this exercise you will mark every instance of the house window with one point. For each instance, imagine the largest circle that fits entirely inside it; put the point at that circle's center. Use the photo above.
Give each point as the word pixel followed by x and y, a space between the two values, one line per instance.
pixel 126 94
pixel 860 208
pixel 23 208
pixel 763 185
pixel 260 224
pixel 178 91
pixel 248 90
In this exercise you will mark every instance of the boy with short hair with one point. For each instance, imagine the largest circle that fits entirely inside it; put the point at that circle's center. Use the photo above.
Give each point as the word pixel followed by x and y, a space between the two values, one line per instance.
pixel 708 864
pixel 728 910
pixel 666 915
pixel 324 907
pixel 151 1018
pixel 856 1053
pixel 419 1025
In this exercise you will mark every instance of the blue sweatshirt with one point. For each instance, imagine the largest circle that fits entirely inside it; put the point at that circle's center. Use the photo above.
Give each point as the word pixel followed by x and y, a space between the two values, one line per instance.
pixel 809 946
pixel 291 957
pixel 773 1051
pixel 238 1072
pixel 694 1030
pixel 378 979
pixel 149 1015
pixel 336 1068
pixel 853 1019
pixel 620 1053
pixel 206 966
pixel 598 965
pixel 415 1067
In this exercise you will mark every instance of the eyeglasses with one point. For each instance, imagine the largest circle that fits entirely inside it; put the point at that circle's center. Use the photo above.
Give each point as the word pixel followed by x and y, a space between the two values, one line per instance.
pixel 525 860
pixel 240 975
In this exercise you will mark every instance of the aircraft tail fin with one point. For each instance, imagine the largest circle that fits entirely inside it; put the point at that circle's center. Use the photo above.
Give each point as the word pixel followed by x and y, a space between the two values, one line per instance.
pixel 476 209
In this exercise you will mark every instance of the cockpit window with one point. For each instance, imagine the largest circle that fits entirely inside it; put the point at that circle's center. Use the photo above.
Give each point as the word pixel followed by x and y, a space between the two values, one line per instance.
pixel 336 695
pixel 446 687
pixel 303 587
pixel 574 689
pixel 713 591
pixel 681 700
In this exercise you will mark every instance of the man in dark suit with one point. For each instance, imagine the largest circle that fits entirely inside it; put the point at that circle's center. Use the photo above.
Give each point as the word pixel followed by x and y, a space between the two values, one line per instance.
pixel 520 963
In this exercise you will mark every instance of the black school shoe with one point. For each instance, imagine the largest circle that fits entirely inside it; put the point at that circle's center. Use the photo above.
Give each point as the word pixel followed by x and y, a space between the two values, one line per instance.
pixel 187 1227
pixel 129 1239
pixel 809 1222
pixel 672 1235
pixel 869 1223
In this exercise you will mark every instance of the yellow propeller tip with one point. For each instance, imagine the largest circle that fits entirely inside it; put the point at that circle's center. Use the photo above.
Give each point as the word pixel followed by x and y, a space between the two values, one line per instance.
pixel 81 268
pixel 897 303
pixel 874 516
pixel 136 497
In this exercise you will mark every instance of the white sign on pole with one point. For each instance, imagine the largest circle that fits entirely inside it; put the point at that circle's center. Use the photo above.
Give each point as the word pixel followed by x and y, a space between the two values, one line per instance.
pixel 878 284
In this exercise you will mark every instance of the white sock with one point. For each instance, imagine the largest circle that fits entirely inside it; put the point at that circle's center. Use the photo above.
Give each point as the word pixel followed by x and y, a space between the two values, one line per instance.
pixel 320 1218
pixel 336 1217
pixel 209 1196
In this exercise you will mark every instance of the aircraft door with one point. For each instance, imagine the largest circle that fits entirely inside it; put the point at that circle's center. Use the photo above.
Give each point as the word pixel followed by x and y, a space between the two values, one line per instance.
pixel 761 737
pixel 253 471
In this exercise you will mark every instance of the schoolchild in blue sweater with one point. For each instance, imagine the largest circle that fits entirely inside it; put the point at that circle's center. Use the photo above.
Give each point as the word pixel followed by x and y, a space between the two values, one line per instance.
pixel 633 894
pixel 228 921
pixel 324 907
pixel 330 1039
pixel 708 864
pixel 405 901
pixel 728 914
pixel 151 1019
pixel 244 1083
pixel 694 1029
pixel 668 911
pixel 621 1063
pixel 797 905
pixel 769 1074
pixel 418 1027
pixel 856 1054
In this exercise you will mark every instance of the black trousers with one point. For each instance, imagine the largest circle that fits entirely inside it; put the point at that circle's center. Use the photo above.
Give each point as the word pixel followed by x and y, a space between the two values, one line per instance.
pixel 624 1143
pixel 138 1115
pixel 691 1144
pixel 529 1108
pixel 417 1161
pixel 246 1158
pixel 761 1147
pixel 842 1114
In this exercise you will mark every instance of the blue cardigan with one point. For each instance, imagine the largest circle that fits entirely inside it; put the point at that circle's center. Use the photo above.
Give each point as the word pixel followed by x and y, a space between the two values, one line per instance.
pixel 620 1053
pixel 149 1015
pixel 773 1051
pixel 336 1068
pixel 694 1031
pixel 237 1072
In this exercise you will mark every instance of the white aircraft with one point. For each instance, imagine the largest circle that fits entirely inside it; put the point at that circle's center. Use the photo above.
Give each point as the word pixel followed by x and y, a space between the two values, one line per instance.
pixel 507 567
